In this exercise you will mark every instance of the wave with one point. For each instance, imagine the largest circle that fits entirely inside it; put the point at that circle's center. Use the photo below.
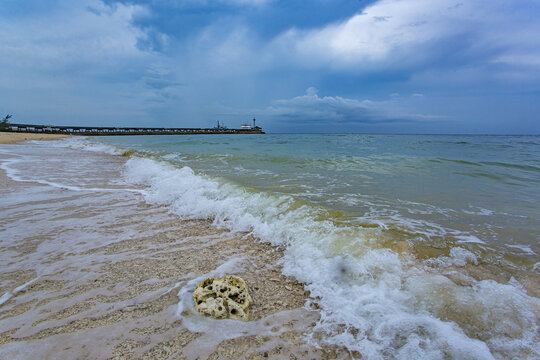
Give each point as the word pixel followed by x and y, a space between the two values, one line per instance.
pixel 87 144
pixel 372 300
pixel 456 161
pixel 512 166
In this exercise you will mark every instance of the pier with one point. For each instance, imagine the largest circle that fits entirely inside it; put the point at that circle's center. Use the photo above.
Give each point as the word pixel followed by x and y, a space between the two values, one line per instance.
pixel 114 131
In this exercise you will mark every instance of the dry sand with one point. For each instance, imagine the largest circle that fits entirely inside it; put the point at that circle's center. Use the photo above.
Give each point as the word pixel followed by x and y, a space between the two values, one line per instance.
pixel 117 306
pixel 12 138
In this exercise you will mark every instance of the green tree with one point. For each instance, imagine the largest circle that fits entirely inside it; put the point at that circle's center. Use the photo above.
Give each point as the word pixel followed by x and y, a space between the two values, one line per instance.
pixel 5 121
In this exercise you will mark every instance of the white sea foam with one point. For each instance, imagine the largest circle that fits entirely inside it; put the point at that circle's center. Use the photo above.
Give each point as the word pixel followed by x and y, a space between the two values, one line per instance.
pixel 9 165
pixel 370 302
pixel 8 295
pixel 476 210
pixel 458 257
pixel 524 248
pixel 87 144
pixel 467 238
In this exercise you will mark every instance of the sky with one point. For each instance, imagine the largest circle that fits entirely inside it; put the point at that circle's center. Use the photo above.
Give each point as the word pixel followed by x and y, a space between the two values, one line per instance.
pixel 308 66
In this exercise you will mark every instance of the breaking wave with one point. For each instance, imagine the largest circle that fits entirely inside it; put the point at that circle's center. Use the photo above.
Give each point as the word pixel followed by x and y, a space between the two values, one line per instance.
pixel 377 302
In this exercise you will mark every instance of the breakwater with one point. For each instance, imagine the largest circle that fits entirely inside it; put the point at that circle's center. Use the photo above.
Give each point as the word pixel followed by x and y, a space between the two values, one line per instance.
pixel 114 131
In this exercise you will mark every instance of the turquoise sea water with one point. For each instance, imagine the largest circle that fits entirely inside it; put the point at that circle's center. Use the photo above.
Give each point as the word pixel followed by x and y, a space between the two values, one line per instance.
pixel 411 245
pixel 487 187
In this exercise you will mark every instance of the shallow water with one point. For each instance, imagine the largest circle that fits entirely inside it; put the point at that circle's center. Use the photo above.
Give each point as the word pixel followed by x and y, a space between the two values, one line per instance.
pixel 411 246
pixel 482 186
pixel 89 270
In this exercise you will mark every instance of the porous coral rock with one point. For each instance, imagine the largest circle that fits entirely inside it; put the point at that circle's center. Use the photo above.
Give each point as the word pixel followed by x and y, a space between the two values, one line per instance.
pixel 222 298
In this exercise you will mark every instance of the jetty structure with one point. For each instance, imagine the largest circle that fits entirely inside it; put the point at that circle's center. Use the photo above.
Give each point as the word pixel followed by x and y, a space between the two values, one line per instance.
pixel 114 131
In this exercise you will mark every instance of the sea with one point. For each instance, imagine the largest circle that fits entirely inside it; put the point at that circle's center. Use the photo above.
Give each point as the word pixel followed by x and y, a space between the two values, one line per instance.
pixel 410 246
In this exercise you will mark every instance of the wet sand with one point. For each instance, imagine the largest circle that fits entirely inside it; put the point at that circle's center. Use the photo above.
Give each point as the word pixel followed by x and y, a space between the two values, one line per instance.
pixel 13 138
pixel 93 275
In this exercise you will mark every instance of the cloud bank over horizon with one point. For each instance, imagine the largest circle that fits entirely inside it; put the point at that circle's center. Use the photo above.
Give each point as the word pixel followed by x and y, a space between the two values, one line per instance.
pixel 434 66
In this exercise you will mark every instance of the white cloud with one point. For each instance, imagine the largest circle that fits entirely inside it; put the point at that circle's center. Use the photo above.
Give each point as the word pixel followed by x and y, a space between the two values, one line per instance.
pixel 405 33
pixel 521 59
pixel 385 31
pixel 87 53
pixel 80 61
pixel 204 3
pixel 223 50
pixel 311 107
pixel 88 33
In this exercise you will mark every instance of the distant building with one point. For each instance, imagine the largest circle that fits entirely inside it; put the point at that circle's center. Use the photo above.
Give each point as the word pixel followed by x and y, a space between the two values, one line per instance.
pixel 246 126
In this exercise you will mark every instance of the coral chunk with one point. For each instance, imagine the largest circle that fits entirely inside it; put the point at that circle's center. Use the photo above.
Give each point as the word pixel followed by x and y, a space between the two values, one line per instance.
pixel 223 298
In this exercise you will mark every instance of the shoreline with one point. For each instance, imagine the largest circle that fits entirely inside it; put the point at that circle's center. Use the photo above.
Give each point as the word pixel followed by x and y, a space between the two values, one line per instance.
pixel 114 293
pixel 14 138
pixel 112 256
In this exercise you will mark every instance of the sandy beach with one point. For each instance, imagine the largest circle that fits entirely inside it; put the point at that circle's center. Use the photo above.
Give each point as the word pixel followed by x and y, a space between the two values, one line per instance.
pixel 100 275
pixel 103 241
pixel 12 138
